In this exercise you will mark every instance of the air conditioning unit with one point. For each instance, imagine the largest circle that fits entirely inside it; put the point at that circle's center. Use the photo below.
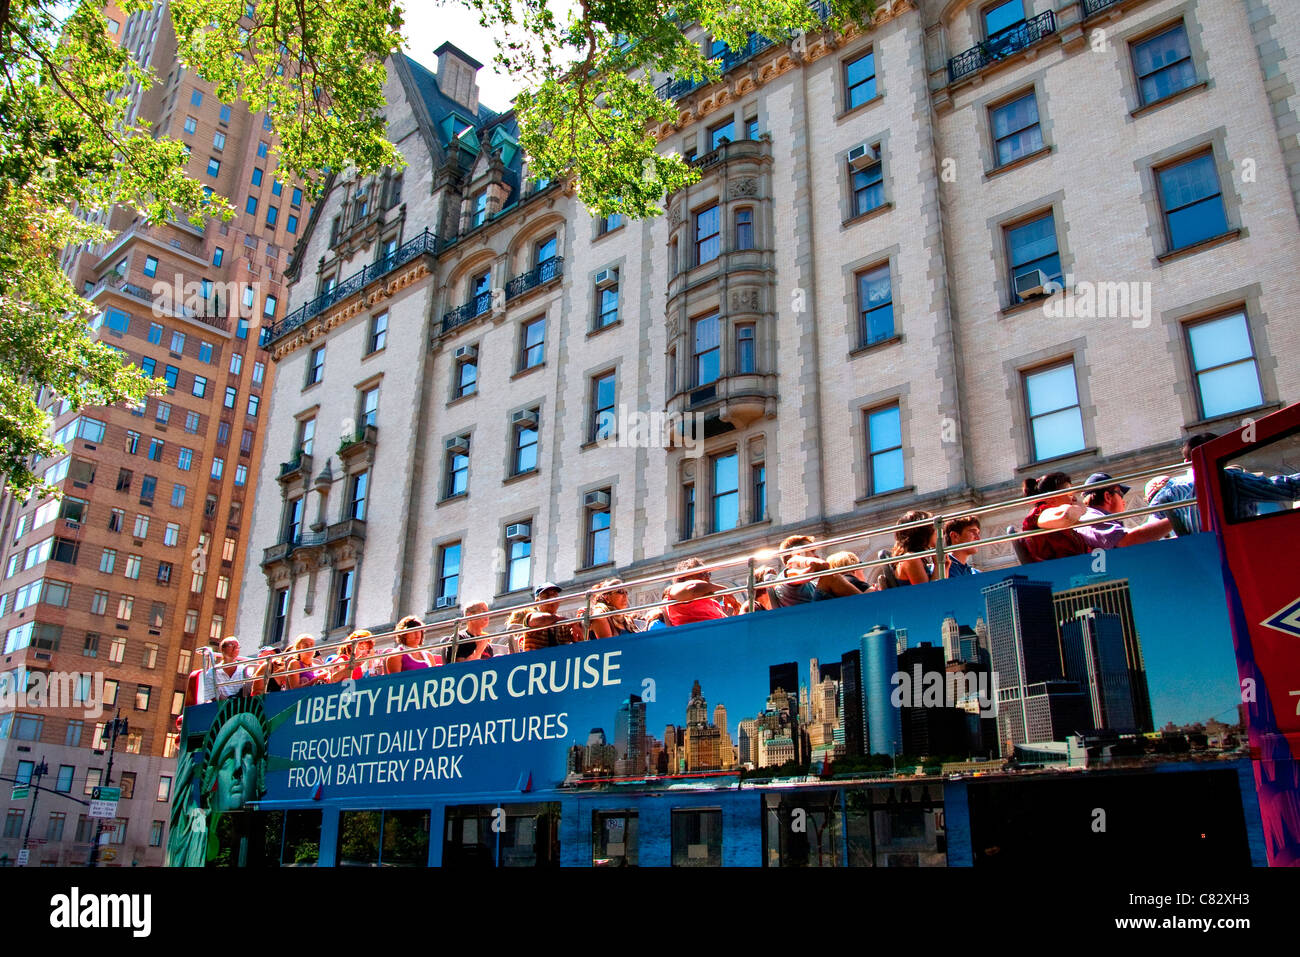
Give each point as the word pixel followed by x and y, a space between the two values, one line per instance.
pixel 596 500
pixel 466 353
pixel 524 418
pixel 862 156
pixel 606 278
pixel 446 601
pixel 1032 283
pixel 458 443
pixel 519 533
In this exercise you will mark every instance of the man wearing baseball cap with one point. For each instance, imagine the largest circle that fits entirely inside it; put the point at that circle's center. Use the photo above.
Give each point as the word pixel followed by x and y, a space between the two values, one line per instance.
pixel 1105 497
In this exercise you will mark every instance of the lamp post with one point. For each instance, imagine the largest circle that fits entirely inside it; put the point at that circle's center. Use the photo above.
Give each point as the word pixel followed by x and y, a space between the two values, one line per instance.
pixel 38 772
pixel 118 726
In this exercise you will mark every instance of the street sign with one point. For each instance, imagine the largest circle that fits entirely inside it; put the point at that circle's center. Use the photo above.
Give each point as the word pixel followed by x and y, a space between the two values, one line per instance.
pixel 106 794
pixel 18 793
pixel 103 808
pixel 22 857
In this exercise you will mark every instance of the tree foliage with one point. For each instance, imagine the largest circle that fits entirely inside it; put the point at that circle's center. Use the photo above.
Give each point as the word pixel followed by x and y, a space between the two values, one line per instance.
pixel 73 149
pixel 590 70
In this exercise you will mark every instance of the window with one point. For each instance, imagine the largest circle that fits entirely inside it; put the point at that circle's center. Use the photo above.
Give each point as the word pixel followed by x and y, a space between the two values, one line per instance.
pixel 696 838
pixel 1016 131
pixel 99 602
pixel 457 482
pixel 306 436
pixel 1055 421
pixel 241 475
pixel 254 402
pixel 115 518
pixel 196 583
pixel 357 496
pixel 1223 361
pixel 148 485
pixel 133 563
pixel 218 140
pixel 214 166
pixel 607 305
pixel 343 581
pixel 868 188
pixel 231 395
pixel 316 367
pixel 859 80
pixel 480 209
pixel 722 133
pixel 525 458
pixel 466 376
pixel 1163 64
pixel 1003 16
pixel 200 386
pixel 1032 246
pixel 378 332
pixel 295 198
pixel 223 586
pixel 603 416
pixel 23 773
pixel 884 450
pixel 127 783
pixel 744 228
pixel 218 254
pixel 192 422
pixel 72 732
pixel 164 573
pixel 228 550
pixel 533 343
pixel 171 534
pixel 63 783
pixel 519 573
pixel 726 492
pixel 125 604
pixel 291 224
pixel 745 348
pixel 164 790
pixel 150 266
pixel 259 372
pixel 751 128
pixel 262 149
pixel 758 477
pixel 14 822
pixel 597 534
pixel 162 415
pixel 1192 201
pixel 609 223
pixel 172 375
pixel 448 573
pixel 875 306
pixel 218 466
pixel 184 459
pixel 142 695
pixel 279 614
pixel 369 407
pixel 196 98
pixel 156 446
pixel 141 527
pixel 272 214
pixel 191 621
pixel 707 239
pixel 707 350
pixel 224 115
pixel 191 124
pixel 132 442
pixel 178 496
pixel 292 519
pixel 107 559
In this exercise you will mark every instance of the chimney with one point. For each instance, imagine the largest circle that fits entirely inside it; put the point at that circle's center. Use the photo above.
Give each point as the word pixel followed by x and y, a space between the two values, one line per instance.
pixel 457 76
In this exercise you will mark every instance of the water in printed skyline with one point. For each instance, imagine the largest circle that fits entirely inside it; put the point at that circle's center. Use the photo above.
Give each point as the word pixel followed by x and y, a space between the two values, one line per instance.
pixel 1178 609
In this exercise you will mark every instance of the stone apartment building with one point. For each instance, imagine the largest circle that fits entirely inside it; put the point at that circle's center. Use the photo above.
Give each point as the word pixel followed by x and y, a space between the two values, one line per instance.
pixel 142 559
pixel 972 243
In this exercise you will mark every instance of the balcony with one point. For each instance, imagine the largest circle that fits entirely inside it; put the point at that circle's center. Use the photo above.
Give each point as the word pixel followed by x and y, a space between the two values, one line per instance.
pixel 1089 7
pixel 676 87
pixel 735 400
pixel 362 442
pixel 296 469
pixel 537 277
pixel 425 243
pixel 1001 45
pixel 118 284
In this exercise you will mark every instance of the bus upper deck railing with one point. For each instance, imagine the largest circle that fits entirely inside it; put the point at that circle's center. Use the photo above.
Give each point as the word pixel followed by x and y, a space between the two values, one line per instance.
pixel 750 563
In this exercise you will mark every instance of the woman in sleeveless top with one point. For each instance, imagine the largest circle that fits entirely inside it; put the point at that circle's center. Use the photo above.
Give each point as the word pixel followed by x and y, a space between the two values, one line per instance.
pixel 303 655
pixel 914 571
pixel 411 637
pixel 1058 544
pixel 610 603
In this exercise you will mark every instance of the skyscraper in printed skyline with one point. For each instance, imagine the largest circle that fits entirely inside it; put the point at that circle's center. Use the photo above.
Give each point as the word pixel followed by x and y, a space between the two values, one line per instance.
pixel 1111 596
pixel 1093 646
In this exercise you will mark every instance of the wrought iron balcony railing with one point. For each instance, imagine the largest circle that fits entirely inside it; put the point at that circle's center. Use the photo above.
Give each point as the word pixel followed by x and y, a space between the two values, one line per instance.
pixel 1001 45
pixel 1096 6
pixel 426 242
pixel 539 275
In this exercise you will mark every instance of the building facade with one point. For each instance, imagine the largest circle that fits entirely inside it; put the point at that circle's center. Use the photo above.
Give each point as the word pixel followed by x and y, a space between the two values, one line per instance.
pixel 972 243
pixel 141 561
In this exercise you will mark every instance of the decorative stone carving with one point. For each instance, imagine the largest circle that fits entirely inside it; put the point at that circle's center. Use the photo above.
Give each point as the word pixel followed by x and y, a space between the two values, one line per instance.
pixel 675 215
pixel 742 187
pixel 744 300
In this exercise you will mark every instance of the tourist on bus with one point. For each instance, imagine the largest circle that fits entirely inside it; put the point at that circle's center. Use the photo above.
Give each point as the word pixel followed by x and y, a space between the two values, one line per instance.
pixel 303 656
pixel 831 586
pixel 354 658
pixel 473 642
pixel 260 673
pixel 409 639
pixel 1104 498
pixel 691 596
pixel 907 541
pixel 231 680
pixel 542 625
pixel 764 600
pixel 1058 544
pixel 610 603
pixel 958 535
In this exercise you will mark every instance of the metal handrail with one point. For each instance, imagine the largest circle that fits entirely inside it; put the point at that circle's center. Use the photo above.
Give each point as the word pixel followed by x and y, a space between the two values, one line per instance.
pixel 1001 45
pixel 748 562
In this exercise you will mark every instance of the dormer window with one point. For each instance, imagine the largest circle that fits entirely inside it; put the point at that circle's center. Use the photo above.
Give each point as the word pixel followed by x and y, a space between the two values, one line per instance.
pixel 360 202
pixel 480 208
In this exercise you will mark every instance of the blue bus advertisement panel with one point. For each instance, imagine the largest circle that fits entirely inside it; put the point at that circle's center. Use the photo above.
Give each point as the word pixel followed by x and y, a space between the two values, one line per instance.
pixel 1092 702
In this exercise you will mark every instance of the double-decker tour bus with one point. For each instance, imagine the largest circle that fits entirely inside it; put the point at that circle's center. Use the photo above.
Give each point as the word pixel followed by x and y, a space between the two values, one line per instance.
pixel 1133 703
